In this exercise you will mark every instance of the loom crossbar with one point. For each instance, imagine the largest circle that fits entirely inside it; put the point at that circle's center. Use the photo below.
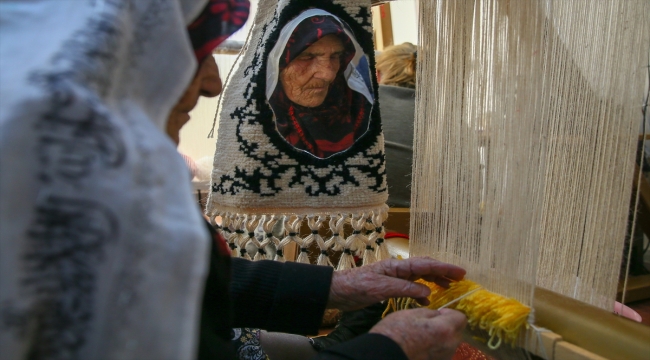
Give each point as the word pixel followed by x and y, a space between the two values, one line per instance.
pixel 578 330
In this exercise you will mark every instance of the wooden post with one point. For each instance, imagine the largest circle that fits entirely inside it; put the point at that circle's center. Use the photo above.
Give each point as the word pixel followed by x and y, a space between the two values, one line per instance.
pixel 382 26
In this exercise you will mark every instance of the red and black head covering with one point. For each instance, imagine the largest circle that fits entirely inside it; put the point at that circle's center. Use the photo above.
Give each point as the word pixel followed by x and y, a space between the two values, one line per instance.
pixel 333 126
pixel 219 20
pixel 310 31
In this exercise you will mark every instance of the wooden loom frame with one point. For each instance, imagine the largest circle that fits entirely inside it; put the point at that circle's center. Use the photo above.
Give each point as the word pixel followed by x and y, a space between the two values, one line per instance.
pixel 577 330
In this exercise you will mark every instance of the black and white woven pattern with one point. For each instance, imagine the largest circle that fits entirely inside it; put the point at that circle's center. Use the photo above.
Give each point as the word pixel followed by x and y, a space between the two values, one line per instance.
pixel 257 173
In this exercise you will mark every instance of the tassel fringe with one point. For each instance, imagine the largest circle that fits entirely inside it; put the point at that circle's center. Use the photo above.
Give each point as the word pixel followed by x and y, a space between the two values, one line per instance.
pixel 356 235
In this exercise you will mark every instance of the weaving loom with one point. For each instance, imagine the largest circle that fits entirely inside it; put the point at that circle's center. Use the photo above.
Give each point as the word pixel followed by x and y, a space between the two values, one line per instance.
pixel 526 125
pixel 527 117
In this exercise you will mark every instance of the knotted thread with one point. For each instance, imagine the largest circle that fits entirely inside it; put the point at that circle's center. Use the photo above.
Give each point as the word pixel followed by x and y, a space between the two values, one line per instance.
pixel 353 243
pixel 369 255
pixel 337 223
pixel 250 225
pixel 292 226
pixel 314 224
pixel 269 237
pixel 235 235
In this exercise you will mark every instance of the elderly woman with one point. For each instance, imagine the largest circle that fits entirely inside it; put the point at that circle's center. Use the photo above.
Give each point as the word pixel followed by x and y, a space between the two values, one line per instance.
pixel 318 85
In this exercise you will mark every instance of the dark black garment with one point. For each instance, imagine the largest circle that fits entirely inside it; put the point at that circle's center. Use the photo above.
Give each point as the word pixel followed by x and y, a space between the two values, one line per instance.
pixel 287 297
pixel 397 105
pixel 216 318
pixel 351 325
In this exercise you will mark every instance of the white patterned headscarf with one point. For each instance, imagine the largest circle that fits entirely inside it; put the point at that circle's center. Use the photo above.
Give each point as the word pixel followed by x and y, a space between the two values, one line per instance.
pixel 94 263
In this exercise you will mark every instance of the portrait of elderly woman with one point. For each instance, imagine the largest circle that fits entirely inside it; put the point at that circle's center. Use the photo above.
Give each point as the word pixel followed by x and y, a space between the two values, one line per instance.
pixel 318 85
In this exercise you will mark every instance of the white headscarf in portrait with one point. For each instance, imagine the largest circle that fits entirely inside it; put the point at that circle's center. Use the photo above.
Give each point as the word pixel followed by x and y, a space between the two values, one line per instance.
pixel 94 263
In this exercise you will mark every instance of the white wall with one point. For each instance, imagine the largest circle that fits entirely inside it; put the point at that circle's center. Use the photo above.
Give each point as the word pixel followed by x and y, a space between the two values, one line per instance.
pixel 194 140
pixel 405 21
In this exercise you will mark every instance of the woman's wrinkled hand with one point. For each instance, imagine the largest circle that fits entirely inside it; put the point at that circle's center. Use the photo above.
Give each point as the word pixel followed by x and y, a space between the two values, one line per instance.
pixel 360 287
pixel 424 334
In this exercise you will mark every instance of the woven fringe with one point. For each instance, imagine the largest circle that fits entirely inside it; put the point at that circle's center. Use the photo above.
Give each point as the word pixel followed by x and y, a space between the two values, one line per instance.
pixel 354 242
pixel 252 236
pixel 314 224
pixel 269 239
pixel 292 226
pixel 249 237
pixel 377 238
pixel 230 235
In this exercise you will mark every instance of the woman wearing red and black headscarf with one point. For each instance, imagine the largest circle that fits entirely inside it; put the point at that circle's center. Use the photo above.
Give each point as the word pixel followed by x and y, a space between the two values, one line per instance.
pixel 316 109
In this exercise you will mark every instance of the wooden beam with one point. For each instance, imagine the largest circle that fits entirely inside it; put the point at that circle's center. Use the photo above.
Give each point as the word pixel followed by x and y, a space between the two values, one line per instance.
pixel 567 351
pixel 382 26
pixel 399 220
pixel 593 329
pixel 600 333
pixel 638 288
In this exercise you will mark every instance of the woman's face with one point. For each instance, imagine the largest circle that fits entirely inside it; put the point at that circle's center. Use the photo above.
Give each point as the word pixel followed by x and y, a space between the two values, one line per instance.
pixel 206 83
pixel 307 78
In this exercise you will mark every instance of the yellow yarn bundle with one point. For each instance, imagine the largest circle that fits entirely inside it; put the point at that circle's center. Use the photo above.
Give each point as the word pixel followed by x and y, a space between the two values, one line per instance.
pixel 503 318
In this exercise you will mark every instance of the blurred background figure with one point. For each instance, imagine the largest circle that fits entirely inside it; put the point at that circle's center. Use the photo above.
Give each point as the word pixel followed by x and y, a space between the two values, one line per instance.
pixel 396 74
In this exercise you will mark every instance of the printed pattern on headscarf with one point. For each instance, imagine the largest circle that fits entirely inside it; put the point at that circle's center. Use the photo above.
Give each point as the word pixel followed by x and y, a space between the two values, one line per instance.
pixel 260 179
pixel 310 31
pixel 219 20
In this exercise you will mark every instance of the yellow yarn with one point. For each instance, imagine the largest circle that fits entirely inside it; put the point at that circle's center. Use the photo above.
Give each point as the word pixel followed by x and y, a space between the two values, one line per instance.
pixel 503 318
